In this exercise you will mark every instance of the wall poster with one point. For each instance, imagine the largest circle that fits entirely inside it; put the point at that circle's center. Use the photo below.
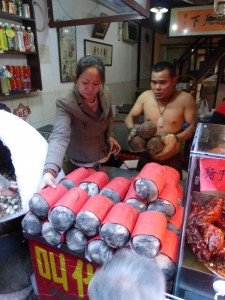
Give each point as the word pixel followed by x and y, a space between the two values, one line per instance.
pixel 67 53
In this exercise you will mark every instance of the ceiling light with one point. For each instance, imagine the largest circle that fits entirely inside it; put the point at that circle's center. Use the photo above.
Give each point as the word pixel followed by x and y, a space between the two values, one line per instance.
pixel 158 11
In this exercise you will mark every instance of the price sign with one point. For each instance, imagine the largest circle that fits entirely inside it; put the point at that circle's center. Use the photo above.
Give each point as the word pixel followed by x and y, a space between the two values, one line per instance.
pixel 212 174
pixel 60 275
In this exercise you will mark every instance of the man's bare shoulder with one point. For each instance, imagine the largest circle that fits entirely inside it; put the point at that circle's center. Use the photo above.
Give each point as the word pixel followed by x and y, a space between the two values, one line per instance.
pixel 185 97
pixel 146 95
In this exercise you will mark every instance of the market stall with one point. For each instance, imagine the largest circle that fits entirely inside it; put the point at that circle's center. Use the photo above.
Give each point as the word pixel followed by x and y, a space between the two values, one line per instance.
pixel 117 205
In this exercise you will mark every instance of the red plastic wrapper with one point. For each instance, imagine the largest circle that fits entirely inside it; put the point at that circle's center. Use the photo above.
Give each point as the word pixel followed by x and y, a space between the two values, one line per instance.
pixel 150 181
pixel 44 200
pixel 149 233
pixel 180 190
pixel 117 226
pixel 169 193
pixel 99 205
pixel 150 223
pixel 133 199
pixel 118 185
pixel 170 245
pixel 74 199
pixel 94 183
pixel 172 175
pixel 177 219
pixel 63 213
pixel 75 177
pixel 122 214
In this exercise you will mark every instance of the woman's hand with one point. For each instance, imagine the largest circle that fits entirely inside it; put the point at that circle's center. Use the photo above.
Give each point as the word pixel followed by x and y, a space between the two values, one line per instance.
pixel 47 180
pixel 114 146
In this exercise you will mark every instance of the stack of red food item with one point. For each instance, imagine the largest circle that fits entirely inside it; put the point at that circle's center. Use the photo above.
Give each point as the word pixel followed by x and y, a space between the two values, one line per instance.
pixel 95 216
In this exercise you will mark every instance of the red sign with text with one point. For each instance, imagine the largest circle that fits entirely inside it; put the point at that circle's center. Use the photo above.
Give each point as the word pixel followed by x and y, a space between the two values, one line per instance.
pixel 60 275
pixel 212 174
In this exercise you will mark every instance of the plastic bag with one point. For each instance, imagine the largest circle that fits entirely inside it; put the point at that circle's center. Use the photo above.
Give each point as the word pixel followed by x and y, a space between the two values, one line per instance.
pixel 203 110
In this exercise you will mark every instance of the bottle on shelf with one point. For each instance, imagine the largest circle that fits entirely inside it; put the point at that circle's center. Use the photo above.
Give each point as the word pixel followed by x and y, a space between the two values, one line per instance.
pixel 19 11
pixel 10 35
pixel 26 10
pixel 5 7
pixel 11 7
pixel 19 42
pixel 31 39
pixel 3 38
pixel 25 39
pixel 5 77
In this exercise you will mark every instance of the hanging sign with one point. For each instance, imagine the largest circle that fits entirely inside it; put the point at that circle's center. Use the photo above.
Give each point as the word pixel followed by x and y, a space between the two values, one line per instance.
pixel 190 21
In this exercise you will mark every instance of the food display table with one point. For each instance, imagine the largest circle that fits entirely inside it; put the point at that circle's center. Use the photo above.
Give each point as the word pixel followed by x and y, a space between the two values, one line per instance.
pixel 195 279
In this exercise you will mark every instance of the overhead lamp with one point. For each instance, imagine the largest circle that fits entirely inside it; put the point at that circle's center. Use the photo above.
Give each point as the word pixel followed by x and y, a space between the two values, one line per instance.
pixel 159 11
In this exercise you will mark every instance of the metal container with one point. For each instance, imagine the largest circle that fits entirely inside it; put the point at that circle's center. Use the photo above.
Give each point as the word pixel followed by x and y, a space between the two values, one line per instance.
pixel 194 280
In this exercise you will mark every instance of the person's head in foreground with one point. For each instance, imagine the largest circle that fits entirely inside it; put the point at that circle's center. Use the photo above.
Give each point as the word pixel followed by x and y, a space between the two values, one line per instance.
pixel 128 276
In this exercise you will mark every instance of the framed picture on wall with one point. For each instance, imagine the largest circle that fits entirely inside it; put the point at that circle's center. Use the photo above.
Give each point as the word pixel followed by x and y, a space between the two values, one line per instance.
pixel 67 53
pixel 103 51
pixel 100 30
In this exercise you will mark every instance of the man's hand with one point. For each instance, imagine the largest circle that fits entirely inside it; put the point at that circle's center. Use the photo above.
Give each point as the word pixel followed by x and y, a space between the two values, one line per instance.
pixel 171 148
pixel 132 134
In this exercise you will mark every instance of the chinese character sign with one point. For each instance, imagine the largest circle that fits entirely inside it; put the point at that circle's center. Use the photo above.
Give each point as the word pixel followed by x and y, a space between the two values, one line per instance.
pixel 212 174
pixel 60 275
pixel 192 21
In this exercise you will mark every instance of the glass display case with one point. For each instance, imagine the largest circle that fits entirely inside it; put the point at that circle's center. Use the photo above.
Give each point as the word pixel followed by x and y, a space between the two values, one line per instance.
pixel 197 275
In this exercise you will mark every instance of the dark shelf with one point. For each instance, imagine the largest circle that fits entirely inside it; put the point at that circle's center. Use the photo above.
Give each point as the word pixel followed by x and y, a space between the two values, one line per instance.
pixel 16 18
pixel 18 53
pixel 32 57
pixel 17 95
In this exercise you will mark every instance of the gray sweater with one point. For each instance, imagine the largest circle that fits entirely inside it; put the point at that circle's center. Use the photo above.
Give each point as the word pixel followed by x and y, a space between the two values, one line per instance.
pixel 78 131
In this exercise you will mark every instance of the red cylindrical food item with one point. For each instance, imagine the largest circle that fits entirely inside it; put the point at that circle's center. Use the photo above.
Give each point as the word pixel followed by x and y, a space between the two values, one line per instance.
pixel 122 214
pixel 170 245
pixel 75 177
pixel 117 226
pixel 100 178
pixel 118 185
pixel 150 181
pixel 177 219
pixel 150 223
pixel 169 193
pixel 74 199
pixel 134 200
pixel 172 175
pixel 148 233
pixel 43 200
pixel 63 213
pixel 98 205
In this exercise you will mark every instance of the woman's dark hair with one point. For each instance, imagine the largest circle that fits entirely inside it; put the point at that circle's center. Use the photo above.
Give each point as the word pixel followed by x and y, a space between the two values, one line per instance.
pixel 90 61
pixel 164 65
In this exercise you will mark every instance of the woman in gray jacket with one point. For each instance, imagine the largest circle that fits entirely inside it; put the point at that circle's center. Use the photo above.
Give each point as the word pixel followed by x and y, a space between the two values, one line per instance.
pixel 83 127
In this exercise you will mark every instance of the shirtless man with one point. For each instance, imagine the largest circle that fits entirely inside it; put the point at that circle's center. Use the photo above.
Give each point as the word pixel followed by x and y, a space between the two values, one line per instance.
pixel 169 109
